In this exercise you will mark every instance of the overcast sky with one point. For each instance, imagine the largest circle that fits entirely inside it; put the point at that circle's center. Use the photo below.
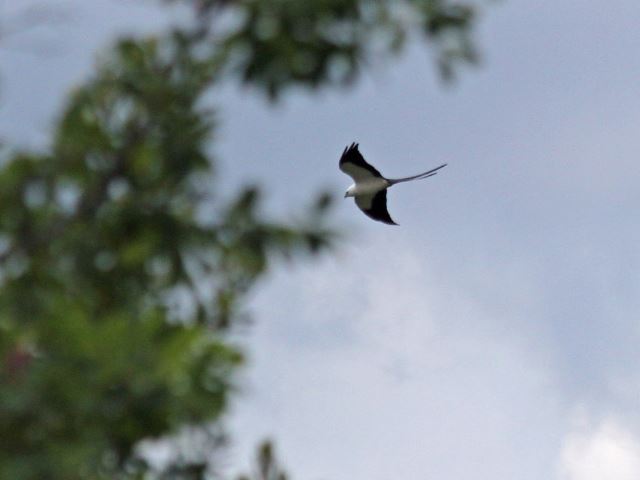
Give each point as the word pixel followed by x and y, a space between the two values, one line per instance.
pixel 493 335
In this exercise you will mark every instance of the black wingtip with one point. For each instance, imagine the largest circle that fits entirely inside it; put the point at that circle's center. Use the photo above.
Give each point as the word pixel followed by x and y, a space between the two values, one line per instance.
pixel 350 148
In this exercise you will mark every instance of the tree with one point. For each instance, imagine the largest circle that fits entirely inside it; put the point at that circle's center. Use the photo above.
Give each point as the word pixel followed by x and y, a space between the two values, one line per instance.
pixel 276 44
pixel 121 271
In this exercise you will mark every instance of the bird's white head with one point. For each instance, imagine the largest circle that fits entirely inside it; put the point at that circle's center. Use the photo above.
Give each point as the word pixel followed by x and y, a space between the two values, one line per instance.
pixel 351 191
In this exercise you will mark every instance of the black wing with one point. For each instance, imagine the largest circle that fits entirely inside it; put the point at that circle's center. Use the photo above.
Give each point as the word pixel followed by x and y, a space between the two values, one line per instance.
pixel 353 164
pixel 375 206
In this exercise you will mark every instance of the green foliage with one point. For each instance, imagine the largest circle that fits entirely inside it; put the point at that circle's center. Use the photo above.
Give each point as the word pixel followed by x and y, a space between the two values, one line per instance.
pixel 276 44
pixel 267 467
pixel 116 290
pixel 121 271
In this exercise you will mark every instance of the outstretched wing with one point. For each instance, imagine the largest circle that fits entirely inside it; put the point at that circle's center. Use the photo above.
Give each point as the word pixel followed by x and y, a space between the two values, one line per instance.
pixel 375 206
pixel 353 164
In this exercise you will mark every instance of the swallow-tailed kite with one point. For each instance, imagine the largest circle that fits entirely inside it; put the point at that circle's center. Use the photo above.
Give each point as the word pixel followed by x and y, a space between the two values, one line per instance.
pixel 370 187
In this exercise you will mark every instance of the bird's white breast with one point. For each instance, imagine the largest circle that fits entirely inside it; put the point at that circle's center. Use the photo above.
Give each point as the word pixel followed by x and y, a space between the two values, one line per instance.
pixel 369 186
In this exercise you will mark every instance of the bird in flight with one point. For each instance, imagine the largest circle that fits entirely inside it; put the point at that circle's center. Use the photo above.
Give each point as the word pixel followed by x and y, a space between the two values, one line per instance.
pixel 370 187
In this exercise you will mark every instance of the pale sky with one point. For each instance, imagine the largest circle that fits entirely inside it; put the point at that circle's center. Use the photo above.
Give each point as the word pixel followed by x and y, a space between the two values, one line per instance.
pixel 493 335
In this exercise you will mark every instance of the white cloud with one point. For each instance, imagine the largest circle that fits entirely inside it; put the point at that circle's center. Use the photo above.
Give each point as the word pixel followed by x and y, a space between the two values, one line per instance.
pixel 606 451
pixel 375 365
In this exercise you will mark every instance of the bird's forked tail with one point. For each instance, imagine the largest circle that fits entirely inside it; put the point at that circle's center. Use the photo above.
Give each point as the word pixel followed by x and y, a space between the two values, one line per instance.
pixel 420 176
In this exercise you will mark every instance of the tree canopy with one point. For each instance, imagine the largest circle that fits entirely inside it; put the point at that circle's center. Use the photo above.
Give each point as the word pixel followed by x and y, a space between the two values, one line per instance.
pixel 122 271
